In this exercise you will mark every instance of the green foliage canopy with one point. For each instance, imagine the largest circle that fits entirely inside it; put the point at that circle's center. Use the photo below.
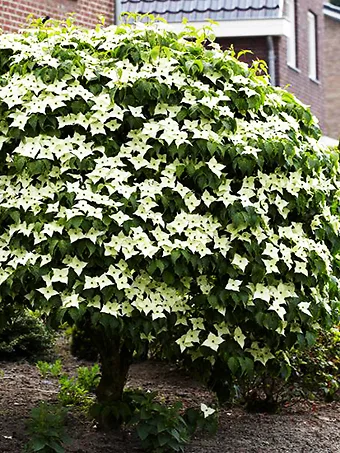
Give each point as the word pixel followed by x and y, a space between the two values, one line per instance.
pixel 166 189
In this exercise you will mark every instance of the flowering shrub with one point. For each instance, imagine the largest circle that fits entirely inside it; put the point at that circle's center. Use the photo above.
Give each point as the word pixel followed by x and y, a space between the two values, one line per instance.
pixel 165 190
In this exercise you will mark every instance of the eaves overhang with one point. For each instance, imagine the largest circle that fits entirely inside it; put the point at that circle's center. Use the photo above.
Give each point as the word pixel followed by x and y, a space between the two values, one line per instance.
pixel 332 11
pixel 241 28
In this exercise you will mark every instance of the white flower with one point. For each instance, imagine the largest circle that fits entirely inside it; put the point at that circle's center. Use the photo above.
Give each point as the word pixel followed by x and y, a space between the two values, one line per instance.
pixel 4 274
pixel 207 198
pixel 72 300
pixel 222 329
pixel 301 268
pixel 120 217
pixel 239 337
pixel 60 275
pixel 240 262
pixel 75 235
pixel 197 323
pixel 260 354
pixel 262 292
pixel 271 266
pixel 233 285
pixel 213 342
pixel 48 292
pixel 4 254
pixel 277 307
pixel 111 308
pixel 94 282
pixel 191 202
pixel 215 167
pixel 271 250
pixel 207 411
pixel 304 307
pixel 158 312
pixel 19 120
pixel 75 264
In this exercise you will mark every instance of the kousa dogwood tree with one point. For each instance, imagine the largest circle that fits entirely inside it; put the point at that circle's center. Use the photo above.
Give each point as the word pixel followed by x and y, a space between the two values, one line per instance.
pixel 158 187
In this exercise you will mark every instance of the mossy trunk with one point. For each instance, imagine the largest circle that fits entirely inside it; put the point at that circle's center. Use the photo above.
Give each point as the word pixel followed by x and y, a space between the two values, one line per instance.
pixel 115 359
pixel 115 363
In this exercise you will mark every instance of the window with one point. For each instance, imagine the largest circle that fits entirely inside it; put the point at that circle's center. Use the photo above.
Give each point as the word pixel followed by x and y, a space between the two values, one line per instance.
pixel 312 46
pixel 292 41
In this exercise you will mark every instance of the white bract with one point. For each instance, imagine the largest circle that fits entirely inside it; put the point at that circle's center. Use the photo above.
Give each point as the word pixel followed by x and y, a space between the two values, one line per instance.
pixel 207 411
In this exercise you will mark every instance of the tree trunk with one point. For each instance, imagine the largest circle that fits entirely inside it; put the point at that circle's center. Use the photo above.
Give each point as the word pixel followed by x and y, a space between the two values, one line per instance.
pixel 115 361
pixel 115 364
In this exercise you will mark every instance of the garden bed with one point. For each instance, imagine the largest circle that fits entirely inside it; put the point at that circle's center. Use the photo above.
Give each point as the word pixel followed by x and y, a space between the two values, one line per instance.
pixel 304 427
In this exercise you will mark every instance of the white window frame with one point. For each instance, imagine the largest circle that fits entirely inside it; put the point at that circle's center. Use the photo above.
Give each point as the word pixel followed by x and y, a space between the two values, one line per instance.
pixel 312 46
pixel 291 41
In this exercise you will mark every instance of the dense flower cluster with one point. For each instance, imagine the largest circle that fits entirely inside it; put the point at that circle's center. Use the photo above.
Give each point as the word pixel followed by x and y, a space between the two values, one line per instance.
pixel 163 184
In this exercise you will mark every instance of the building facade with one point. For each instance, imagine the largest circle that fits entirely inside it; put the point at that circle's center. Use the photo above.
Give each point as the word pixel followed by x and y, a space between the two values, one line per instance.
pixel 303 72
pixel 14 13
pixel 332 70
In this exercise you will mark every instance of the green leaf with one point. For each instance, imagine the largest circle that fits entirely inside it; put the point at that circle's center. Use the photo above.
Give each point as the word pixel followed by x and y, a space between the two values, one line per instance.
pixel 154 53
pixel 15 215
pixel 175 254
pixel 38 444
pixel 247 365
pixel 310 338
pixel 213 300
pixel 143 431
pixel 152 267
pixel 168 277
pixel 233 364
pixel 56 447
pixel 161 264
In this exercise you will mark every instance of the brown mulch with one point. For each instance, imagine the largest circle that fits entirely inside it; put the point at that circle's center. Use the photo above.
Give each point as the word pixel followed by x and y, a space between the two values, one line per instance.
pixel 304 428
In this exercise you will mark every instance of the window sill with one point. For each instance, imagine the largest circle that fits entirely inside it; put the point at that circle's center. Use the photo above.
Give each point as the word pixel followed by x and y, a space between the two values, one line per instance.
pixel 293 68
pixel 315 80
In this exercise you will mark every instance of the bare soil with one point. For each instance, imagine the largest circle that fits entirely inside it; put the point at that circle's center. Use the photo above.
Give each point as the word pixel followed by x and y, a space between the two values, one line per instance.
pixel 304 428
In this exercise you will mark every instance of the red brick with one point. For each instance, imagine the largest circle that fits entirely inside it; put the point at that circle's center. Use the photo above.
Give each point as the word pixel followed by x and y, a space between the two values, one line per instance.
pixel 332 77
pixel 13 13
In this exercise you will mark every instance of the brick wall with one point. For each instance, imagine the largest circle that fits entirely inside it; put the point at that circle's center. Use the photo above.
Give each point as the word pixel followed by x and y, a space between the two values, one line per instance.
pixel 332 77
pixel 308 91
pixel 258 46
pixel 13 13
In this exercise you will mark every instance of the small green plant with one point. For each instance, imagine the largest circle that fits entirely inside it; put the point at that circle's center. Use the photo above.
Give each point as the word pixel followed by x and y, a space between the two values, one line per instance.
pixel 46 429
pixel 88 378
pixel 204 419
pixel 160 428
pixel 43 367
pixel 76 391
pixel 56 368
pixel 53 369
pixel 72 393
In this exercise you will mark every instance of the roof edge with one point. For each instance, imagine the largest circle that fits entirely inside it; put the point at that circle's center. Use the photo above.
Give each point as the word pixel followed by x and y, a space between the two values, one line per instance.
pixel 332 11
pixel 241 27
